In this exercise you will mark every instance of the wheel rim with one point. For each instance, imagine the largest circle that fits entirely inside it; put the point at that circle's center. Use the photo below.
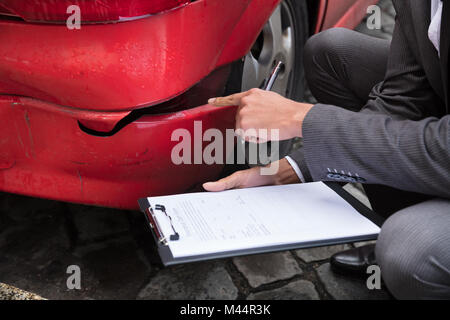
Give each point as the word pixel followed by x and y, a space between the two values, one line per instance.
pixel 276 42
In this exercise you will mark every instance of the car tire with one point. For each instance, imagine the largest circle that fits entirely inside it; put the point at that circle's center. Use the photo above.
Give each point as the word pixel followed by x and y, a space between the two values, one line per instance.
pixel 271 46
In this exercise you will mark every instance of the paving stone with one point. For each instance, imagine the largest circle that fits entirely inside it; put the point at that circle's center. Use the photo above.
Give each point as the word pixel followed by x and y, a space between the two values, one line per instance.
pixel 356 190
pixel 48 282
pixel 267 268
pixel 5 234
pixel 208 280
pixel 23 210
pixel 113 272
pixel 93 223
pixel 5 220
pixel 35 228
pixel 11 293
pixel 296 290
pixel 117 269
pixel 347 288
pixel 363 243
pixel 38 242
pixel 316 254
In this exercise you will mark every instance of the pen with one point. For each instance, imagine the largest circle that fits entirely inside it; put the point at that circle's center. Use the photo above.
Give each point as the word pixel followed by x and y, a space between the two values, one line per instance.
pixel 269 84
pixel 273 76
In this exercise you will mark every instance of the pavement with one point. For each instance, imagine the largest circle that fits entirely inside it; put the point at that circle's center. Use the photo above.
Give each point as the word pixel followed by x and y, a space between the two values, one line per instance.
pixel 117 258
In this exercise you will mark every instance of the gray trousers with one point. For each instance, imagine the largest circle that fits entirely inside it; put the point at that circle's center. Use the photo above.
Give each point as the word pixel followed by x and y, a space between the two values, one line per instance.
pixel 413 248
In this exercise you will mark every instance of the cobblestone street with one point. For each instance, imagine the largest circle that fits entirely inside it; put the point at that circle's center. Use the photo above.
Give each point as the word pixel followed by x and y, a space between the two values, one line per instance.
pixel 118 259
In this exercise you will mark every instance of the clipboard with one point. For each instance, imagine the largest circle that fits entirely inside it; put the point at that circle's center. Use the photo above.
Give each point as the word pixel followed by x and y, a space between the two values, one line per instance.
pixel 152 210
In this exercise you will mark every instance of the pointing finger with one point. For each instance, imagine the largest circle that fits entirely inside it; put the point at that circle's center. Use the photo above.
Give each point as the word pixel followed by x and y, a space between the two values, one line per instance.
pixel 232 100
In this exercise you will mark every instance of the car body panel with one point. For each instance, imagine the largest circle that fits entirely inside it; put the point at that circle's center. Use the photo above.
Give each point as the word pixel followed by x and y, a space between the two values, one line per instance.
pixel 49 156
pixel 123 66
pixel 53 79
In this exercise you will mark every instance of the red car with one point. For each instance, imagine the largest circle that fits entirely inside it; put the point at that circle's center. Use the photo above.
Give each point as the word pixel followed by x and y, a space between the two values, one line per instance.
pixel 86 115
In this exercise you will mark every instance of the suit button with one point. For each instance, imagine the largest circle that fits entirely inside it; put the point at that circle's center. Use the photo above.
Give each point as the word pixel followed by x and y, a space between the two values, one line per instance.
pixel 346 178
pixel 334 176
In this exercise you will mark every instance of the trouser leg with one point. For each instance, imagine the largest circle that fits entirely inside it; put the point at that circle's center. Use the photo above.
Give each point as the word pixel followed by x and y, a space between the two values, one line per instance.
pixel 413 251
pixel 341 67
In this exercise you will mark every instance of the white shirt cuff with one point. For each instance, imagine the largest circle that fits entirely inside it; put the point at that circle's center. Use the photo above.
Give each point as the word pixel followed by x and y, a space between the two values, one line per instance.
pixel 297 170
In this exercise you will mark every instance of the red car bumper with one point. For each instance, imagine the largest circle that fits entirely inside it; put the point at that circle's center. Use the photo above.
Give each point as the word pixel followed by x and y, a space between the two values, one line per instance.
pixel 49 156
pixel 95 77
pixel 127 65
pixel 102 73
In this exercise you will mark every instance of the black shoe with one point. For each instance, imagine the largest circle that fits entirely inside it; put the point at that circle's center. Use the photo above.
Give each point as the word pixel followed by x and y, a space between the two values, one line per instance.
pixel 354 261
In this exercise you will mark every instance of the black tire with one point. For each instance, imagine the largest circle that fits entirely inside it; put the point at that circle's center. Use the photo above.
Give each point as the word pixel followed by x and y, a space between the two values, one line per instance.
pixel 299 10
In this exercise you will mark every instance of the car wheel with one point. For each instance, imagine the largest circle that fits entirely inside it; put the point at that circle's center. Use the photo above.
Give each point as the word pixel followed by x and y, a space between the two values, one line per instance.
pixel 281 39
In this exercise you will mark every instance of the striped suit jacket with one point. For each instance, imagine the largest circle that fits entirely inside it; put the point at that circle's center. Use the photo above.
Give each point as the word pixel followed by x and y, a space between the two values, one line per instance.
pixel 401 138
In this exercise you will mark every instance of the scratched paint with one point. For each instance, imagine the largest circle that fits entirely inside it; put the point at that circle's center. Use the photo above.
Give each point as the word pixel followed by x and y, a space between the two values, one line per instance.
pixel 30 134
pixel 115 171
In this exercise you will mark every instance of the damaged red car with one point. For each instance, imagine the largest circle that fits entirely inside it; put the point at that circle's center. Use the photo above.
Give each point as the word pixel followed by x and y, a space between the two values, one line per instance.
pixel 86 114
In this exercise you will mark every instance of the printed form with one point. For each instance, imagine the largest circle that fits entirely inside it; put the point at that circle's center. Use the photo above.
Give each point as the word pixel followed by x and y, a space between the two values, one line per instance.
pixel 243 219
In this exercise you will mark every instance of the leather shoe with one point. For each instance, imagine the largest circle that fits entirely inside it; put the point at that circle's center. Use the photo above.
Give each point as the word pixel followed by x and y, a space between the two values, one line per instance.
pixel 354 261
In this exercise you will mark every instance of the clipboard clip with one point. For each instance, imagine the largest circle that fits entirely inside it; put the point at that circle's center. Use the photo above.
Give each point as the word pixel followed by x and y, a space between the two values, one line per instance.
pixel 155 226
pixel 175 236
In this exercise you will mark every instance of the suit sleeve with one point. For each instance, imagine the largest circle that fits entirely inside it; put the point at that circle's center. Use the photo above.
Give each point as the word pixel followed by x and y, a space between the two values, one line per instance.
pixel 299 158
pixel 401 138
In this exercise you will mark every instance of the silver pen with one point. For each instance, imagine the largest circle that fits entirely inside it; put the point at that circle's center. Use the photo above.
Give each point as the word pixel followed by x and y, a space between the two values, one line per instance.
pixel 273 76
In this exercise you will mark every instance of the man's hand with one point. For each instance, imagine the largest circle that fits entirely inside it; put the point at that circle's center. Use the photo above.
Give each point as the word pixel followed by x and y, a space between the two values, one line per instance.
pixel 253 178
pixel 259 109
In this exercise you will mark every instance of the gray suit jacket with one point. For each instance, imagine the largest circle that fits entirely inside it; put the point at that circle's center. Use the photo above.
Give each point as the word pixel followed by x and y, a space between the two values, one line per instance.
pixel 401 138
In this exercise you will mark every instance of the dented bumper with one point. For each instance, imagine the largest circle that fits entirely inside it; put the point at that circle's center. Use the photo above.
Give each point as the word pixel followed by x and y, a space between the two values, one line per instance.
pixel 44 153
